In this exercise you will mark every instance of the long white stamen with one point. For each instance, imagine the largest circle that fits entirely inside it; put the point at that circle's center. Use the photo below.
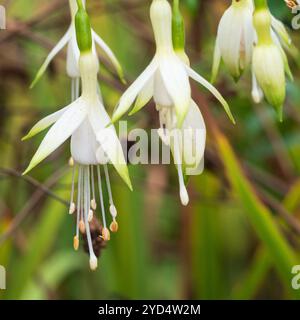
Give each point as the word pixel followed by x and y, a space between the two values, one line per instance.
pixel 183 191
pixel 72 203
pixel 101 197
pixel 93 258
pixel 81 221
pixel 93 201
pixel 79 203
pixel 112 208
pixel 90 213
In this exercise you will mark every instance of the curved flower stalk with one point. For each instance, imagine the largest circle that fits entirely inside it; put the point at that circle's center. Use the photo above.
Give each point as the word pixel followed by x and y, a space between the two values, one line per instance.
pixel 166 79
pixel 69 40
pixel 93 144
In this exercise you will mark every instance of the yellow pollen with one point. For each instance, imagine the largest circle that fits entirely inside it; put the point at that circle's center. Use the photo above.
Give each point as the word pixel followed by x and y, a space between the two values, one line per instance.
pixel 114 226
pixel 76 243
pixel 81 226
pixel 105 234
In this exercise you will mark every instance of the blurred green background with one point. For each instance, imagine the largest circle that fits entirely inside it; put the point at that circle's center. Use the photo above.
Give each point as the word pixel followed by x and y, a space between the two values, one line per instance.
pixel 238 238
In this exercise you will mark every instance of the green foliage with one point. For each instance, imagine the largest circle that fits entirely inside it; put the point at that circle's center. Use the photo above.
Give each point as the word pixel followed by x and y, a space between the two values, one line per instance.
pixel 226 244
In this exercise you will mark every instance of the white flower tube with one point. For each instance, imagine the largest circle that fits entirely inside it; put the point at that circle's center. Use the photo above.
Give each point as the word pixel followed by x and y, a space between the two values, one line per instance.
pixel 73 53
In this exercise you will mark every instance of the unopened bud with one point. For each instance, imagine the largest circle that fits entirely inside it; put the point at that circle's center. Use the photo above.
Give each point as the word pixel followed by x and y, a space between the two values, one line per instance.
pixel 269 70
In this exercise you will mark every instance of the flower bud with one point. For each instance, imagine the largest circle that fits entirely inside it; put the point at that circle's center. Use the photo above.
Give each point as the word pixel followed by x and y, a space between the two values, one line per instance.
pixel 268 60
pixel 268 67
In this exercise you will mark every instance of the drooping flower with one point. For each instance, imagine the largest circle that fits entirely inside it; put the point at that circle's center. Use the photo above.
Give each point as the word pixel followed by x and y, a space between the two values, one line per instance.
pixel 166 79
pixel 93 143
pixel 73 53
pixel 237 45
pixel 235 39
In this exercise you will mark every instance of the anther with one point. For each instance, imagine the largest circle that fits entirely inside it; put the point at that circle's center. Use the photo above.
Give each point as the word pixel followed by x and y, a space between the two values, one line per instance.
pixel 114 226
pixel 105 234
pixel 82 226
pixel 90 215
pixel 76 243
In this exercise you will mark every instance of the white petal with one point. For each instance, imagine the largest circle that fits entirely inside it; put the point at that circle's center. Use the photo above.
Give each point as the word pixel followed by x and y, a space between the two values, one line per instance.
pixel 212 89
pixel 161 95
pixel 110 55
pixel 60 132
pixel 62 42
pixel 84 144
pixel 177 83
pixel 216 63
pixel 257 93
pixel 109 141
pixel 248 37
pixel 194 140
pixel 45 123
pixel 281 31
pixel 131 93
pixel 229 39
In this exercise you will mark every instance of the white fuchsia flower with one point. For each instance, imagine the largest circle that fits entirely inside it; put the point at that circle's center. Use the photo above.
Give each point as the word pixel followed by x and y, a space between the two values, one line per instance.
pixel 94 142
pixel 237 45
pixel 166 79
pixel 235 39
pixel 73 53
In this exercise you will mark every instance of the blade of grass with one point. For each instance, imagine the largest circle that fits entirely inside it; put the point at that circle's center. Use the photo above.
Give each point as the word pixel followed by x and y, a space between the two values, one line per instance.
pixel 204 240
pixel 261 218
pixel 42 238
